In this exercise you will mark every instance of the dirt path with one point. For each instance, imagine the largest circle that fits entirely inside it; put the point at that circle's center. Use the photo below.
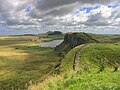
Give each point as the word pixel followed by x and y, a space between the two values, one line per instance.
pixel 77 58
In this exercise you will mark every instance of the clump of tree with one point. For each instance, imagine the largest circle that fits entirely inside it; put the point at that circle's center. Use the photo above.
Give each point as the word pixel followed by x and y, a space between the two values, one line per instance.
pixel 54 33
pixel 62 54
pixel 101 66
pixel 86 68
pixel 101 63
pixel 16 48
pixel 116 66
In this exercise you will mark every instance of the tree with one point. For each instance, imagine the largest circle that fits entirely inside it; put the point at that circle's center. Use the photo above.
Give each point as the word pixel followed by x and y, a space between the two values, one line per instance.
pixel 116 66
pixel 54 33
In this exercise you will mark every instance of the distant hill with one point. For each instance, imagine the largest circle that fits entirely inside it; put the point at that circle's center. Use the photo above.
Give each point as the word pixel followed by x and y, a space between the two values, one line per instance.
pixel 29 34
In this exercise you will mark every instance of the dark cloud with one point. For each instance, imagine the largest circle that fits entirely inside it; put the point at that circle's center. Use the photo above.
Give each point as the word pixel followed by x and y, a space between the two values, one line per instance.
pixel 14 11
pixel 61 7
pixel 50 4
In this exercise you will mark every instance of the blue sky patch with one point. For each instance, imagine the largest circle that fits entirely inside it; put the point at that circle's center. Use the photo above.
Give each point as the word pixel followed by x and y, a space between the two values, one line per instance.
pixel 88 9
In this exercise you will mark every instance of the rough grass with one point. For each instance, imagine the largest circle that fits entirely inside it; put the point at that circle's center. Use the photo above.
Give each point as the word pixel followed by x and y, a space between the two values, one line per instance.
pixel 22 62
pixel 93 55
pixel 106 80
pixel 88 77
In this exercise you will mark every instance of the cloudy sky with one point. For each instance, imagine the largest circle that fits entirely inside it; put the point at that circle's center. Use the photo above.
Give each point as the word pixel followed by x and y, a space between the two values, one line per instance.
pixel 38 16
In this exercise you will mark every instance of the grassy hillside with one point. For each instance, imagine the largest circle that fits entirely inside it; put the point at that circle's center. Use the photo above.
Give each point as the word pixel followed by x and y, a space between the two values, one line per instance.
pixel 97 70
pixel 94 55
pixel 23 62
pixel 106 80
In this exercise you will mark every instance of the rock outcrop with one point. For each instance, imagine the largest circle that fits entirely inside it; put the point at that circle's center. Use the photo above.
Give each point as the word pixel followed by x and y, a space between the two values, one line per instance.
pixel 72 40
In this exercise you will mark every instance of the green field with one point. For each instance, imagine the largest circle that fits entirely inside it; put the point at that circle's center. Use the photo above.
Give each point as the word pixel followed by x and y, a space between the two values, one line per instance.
pixel 96 70
pixel 22 62
pixel 25 65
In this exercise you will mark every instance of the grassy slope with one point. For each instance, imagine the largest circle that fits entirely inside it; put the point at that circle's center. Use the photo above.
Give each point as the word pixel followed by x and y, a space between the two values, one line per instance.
pixel 90 78
pixel 23 62
pixel 67 61
pixel 106 80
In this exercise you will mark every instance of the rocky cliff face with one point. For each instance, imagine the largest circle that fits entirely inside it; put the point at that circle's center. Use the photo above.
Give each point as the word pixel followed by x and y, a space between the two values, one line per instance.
pixel 76 39
pixel 72 40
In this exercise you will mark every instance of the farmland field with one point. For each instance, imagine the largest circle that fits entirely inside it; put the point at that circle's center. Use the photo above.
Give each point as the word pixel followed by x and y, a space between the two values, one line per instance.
pixel 23 62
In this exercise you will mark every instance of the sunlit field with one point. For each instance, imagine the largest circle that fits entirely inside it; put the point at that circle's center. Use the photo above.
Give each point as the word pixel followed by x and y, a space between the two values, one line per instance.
pixel 97 70
pixel 23 62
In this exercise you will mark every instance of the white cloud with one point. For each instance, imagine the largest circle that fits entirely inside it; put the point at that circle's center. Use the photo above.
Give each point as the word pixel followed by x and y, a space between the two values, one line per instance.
pixel 53 13
pixel 100 17
pixel 105 11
